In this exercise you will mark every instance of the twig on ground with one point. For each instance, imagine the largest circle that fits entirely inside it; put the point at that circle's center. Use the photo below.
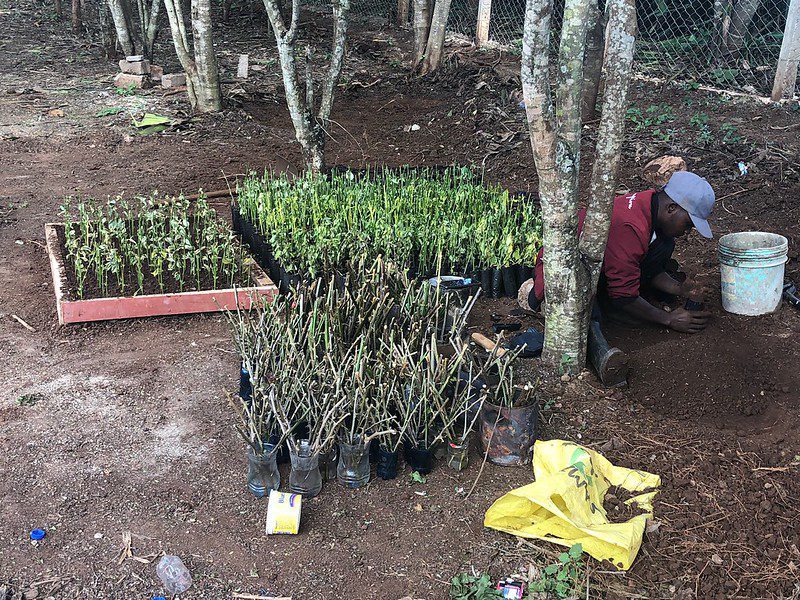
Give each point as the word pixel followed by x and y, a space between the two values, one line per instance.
pixel 22 322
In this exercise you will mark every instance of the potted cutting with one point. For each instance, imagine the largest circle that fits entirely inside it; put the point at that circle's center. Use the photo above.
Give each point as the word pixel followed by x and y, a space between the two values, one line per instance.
pixel 355 379
pixel 509 415
pixel 460 411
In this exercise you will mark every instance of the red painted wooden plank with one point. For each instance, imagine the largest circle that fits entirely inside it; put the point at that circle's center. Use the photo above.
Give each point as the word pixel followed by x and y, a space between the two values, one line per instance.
pixel 104 309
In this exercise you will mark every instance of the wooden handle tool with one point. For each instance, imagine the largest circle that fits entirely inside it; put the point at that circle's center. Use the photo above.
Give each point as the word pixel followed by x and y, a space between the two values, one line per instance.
pixel 487 344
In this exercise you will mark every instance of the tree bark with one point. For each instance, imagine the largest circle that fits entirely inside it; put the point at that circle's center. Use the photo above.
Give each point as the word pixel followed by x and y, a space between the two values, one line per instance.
pixel 403 9
pixel 122 24
pixel 570 276
pixel 59 10
pixel 435 45
pixel 618 69
pixel 309 123
pixel 422 25
pixel 200 66
pixel 207 90
pixel 76 16
pixel 151 30
pixel 743 12
pixel 789 59
pixel 722 19
pixel 593 62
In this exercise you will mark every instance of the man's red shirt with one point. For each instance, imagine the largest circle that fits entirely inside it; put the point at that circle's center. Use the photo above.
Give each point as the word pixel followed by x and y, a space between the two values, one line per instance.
pixel 628 240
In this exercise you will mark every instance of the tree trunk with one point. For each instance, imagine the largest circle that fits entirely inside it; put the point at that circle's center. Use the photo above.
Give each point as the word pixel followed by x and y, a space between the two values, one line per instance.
pixel 403 8
pixel 202 75
pixel 209 96
pixel 618 69
pixel 106 30
pixel 722 20
pixel 789 59
pixel 151 30
pixel 59 10
pixel 76 15
pixel 571 265
pixel 593 62
pixel 122 25
pixel 435 45
pixel 309 124
pixel 741 18
pixel 422 25
pixel 226 10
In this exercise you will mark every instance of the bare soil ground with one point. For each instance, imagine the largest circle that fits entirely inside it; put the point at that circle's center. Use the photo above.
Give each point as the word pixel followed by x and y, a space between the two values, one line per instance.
pixel 125 426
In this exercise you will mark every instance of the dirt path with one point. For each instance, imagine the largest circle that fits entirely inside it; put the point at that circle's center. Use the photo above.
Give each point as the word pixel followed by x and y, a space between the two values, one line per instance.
pixel 125 425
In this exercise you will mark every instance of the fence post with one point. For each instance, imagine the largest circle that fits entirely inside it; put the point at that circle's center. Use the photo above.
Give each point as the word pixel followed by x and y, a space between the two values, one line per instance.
pixel 403 7
pixel 786 71
pixel 484 16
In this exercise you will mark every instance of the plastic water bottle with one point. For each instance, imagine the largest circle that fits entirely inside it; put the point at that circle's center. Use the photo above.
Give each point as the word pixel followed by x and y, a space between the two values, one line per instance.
pixel 174 574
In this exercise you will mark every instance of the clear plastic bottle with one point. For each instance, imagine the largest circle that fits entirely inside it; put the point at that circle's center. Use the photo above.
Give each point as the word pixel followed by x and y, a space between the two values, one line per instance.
pixel 173 574
pixel 262 471
pixel 305 478
pixel 458 455
pixel 353 470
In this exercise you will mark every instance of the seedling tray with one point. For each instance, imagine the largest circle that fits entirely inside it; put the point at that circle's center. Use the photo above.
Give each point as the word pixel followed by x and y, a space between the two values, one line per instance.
pixel 495 282
pixel 149 305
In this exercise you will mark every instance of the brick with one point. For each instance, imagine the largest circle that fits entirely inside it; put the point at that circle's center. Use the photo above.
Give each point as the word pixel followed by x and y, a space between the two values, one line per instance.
pixel 156 72
pixel 135 68
pixel 173 80
pixel 126 80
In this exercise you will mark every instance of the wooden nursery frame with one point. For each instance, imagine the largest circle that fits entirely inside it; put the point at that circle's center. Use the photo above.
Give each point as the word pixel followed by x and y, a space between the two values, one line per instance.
pixel 151 305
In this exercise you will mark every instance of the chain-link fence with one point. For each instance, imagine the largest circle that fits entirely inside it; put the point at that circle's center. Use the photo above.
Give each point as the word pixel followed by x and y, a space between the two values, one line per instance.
pixel 731 44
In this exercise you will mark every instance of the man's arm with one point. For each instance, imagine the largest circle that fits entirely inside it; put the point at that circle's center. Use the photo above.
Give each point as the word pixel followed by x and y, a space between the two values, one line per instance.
pixel 664 282
pixel 688 289
pixel 685 321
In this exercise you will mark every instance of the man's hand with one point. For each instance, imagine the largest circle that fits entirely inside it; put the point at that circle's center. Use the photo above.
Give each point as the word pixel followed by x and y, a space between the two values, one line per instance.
pixel 688 321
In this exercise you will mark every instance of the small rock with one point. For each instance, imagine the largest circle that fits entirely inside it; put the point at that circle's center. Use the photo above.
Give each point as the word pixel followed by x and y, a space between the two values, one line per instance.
pixel 565 378
pixel 141 67
pixel 135 58
pixel 716 559
pixel 173 80
pixel 31 594
pixel 98 536
pixel 126 80
pixel 156 72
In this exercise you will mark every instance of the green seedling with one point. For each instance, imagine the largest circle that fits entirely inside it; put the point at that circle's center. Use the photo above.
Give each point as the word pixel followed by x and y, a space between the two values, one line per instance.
pixel 561 579
pixel 421 217
pixel 129 90
pixel 465 586
pixel 109 111
pixel 417 477
pixel 730 135
pixel 29 399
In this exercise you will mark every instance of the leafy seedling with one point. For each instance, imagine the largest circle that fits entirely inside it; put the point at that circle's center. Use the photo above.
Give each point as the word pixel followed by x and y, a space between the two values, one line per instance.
pixel 109 111
pixel 730 135
pixel 29 399
pixel 129 90
pixel 417 477
pixel 561 579
pixel 465 586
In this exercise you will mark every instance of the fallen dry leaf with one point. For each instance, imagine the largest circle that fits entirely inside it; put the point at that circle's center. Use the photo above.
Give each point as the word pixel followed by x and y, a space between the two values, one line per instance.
pixel 55 112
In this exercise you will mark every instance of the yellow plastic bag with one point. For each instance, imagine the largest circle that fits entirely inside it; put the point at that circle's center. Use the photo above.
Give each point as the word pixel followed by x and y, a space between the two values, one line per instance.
pixel 565 503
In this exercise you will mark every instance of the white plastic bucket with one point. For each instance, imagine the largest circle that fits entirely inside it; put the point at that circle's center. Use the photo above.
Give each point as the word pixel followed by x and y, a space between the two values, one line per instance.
pixel 751 269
